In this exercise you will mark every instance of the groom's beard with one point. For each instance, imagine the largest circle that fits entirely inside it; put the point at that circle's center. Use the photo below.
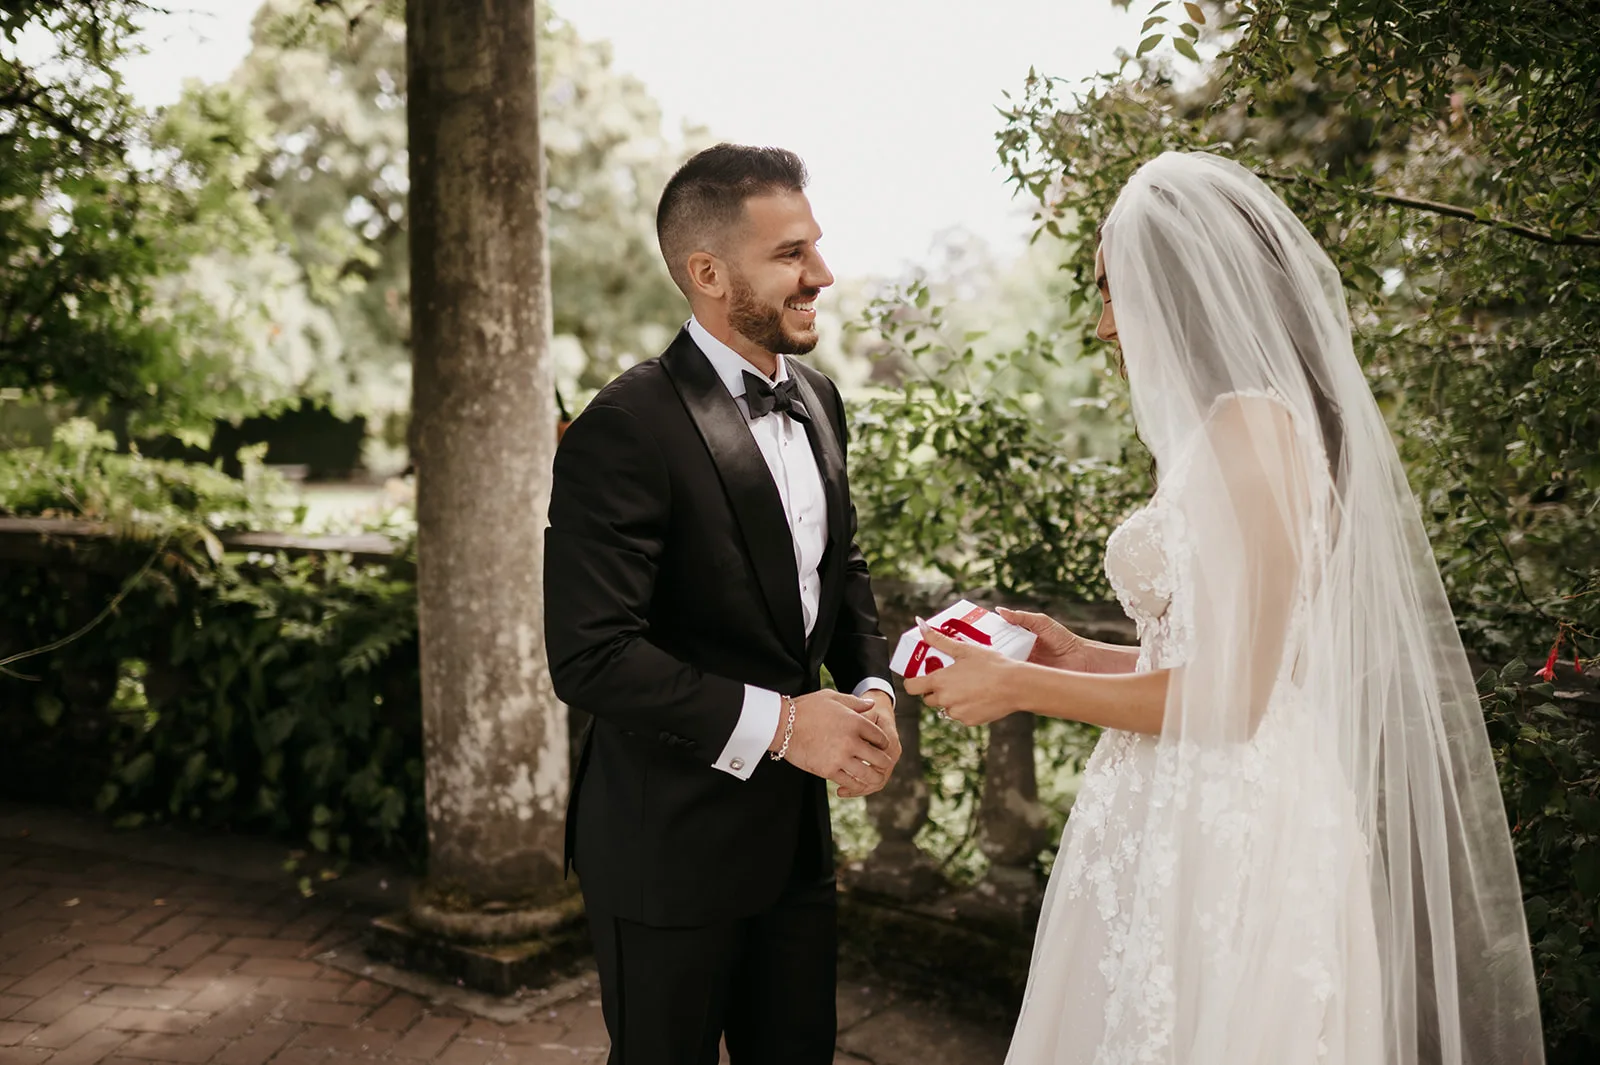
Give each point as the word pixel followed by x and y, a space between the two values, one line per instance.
pixel 762 324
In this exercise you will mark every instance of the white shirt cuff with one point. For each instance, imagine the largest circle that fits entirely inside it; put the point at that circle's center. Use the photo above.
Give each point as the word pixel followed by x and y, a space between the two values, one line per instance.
pixel 874 684
pixel 758 723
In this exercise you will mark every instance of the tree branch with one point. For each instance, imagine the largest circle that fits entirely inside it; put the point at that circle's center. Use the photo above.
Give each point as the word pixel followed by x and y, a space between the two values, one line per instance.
pixel 16 95
pixel 25 94
pixel 352 22
pixel 1586 240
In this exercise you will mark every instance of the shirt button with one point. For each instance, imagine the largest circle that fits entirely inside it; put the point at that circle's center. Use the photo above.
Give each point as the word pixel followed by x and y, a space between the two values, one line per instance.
pixel 736 764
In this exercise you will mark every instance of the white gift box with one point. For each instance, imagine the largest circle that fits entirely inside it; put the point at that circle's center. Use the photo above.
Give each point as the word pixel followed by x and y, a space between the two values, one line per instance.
pixel 969 623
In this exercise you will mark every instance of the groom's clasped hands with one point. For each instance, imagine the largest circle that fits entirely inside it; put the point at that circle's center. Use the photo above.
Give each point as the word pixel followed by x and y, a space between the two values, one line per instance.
pixel 848 740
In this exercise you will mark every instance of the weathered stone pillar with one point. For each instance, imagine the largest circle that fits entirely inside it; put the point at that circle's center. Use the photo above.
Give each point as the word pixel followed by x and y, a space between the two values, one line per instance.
pixel 483 405
pixel 897 868
pixel 1012 828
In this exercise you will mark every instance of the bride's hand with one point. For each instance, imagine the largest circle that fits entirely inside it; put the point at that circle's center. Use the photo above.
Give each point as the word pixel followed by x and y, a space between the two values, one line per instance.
pixel 976 689
pixel 1057 647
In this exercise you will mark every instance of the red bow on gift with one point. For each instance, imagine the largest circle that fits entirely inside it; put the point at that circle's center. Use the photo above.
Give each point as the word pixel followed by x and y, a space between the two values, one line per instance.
pixel 957 628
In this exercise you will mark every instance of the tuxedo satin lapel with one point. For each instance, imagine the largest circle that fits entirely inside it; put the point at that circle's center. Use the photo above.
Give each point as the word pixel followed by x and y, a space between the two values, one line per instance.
pixel 747 481
pixel 829 453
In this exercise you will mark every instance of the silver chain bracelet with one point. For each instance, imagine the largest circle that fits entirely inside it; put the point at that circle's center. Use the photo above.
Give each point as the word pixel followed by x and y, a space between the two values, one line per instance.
pixel 788 733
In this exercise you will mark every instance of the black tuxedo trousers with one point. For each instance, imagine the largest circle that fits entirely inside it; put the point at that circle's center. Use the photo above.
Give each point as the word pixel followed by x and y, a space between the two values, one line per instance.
pixel 670 584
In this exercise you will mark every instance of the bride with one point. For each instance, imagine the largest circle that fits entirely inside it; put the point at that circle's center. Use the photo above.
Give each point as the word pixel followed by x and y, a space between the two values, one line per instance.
pixel 1289 845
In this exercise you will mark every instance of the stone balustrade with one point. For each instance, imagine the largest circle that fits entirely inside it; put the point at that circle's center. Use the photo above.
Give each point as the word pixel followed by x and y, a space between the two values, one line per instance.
pixel 1012 827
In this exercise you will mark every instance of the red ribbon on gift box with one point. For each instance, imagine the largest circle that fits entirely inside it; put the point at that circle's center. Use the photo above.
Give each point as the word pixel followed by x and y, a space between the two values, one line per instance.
pixel 957 628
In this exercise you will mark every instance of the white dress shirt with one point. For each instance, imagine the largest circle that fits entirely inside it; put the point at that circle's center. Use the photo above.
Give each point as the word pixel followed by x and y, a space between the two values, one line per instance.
pixel 785 446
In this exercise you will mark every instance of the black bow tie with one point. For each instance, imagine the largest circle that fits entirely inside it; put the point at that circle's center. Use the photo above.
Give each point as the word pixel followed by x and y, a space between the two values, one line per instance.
pixel 764 398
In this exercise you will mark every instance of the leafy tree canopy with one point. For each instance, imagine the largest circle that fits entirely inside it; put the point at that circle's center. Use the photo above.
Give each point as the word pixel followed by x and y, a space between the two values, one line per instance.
pixel 247 245
pixel 103 208
pixel 1447 155
pixel 332 83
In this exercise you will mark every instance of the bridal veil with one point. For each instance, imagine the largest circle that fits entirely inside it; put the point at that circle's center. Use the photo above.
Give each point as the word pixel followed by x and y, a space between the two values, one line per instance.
pixel 1320 634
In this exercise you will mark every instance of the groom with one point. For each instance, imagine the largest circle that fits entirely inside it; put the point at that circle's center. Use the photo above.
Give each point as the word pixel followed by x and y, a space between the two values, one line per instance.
pixel 700 572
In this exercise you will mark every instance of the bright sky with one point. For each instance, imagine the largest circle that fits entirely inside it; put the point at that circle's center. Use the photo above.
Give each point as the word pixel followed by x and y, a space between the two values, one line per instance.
pixel 891 102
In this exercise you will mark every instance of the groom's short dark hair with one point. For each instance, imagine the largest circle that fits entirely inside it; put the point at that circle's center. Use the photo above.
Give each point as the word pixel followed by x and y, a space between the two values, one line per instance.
pixel 705 198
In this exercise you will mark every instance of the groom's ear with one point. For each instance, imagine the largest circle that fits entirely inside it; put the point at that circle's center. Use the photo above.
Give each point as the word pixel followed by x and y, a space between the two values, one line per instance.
pixel 708 276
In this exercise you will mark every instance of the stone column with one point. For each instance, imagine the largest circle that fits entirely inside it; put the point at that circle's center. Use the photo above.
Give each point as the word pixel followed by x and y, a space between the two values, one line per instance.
pixel 897 868
pixel 484 414
pixel 1012 828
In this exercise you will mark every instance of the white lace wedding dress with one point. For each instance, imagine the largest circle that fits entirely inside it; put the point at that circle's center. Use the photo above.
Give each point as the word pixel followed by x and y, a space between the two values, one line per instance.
pixel 1228 976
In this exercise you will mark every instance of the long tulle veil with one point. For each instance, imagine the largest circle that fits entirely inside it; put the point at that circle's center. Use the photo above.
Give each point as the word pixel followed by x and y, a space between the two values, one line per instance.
pixel 1308 570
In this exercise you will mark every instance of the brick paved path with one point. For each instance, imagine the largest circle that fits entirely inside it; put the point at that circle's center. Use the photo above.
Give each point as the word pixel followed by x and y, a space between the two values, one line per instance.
pixel 113 959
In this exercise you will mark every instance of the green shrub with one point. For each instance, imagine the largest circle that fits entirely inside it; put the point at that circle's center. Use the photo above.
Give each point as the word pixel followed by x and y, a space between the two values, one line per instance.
pixel 1549 760
pixel 254 691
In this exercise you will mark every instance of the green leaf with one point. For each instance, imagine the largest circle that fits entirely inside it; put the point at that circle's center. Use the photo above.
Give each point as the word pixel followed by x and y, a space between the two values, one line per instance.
pixel 1537 910
pixel 1585 813
pixel 49 708
pixel 138 769
pixel 1148 43
pixel 1186 48
pixel 1586 871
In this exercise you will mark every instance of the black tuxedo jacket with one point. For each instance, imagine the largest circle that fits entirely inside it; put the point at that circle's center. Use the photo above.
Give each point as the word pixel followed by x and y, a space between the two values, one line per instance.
pixel 670 584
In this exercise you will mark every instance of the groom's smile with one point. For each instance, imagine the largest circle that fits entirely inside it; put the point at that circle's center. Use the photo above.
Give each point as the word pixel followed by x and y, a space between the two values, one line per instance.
pixel 804 311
